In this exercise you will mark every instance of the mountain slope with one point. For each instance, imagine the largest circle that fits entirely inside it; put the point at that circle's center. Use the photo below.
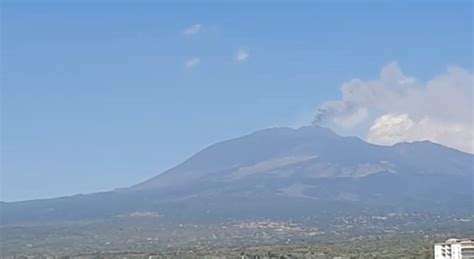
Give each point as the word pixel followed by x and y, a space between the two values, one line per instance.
pixel 308 153
pixel 282 172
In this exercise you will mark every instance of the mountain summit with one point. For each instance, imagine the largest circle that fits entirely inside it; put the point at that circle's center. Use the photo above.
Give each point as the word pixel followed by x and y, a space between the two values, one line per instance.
pixel 281 172
pixel 274 147
pixel 308 153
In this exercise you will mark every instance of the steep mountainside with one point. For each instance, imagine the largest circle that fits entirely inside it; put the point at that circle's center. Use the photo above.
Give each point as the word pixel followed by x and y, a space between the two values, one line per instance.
pixel 282 172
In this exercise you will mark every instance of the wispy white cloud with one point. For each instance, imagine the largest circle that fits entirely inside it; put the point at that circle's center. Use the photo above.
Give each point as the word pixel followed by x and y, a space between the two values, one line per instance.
pixel 397 108
pixel 241 55
pixel 193 29
pixel 192 62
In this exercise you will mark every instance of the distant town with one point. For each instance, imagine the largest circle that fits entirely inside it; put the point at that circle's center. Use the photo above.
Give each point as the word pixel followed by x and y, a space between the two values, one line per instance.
pixel 141 235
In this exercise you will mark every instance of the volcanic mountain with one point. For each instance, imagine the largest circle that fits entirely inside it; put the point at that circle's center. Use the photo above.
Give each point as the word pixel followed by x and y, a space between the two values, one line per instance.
pixel 283 173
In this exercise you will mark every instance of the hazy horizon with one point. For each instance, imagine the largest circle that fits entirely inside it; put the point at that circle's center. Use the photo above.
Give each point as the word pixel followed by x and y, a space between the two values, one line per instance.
pixel 237 129
pixel 158 173
pixel 102 96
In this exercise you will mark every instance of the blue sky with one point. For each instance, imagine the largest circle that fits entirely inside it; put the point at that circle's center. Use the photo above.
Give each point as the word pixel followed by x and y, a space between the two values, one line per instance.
pixel 97 96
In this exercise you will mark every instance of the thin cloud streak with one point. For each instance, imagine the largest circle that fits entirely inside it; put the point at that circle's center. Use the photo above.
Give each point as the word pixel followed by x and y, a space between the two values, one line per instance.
pixel 241 55
pixel 192 62
pixel 193 29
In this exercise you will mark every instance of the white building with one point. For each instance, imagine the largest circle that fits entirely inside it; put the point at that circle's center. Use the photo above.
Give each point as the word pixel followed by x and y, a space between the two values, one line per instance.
pixel 454 249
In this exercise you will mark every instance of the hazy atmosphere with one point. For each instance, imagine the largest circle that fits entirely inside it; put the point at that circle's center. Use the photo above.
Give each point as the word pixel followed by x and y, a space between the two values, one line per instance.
pixel 97 96
pixel 237 129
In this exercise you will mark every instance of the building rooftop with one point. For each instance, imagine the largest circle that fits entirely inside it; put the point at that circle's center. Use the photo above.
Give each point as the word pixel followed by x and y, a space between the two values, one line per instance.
pixel 456 241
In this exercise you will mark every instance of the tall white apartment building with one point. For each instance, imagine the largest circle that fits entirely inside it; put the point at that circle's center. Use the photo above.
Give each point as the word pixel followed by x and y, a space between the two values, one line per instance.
pixel 454 249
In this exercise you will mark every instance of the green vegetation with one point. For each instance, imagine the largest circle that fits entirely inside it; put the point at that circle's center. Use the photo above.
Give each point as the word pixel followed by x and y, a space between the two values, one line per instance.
pixel 383 236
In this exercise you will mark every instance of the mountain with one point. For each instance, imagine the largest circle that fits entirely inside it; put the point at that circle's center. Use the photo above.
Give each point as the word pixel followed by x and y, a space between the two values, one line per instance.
pixel 283 173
